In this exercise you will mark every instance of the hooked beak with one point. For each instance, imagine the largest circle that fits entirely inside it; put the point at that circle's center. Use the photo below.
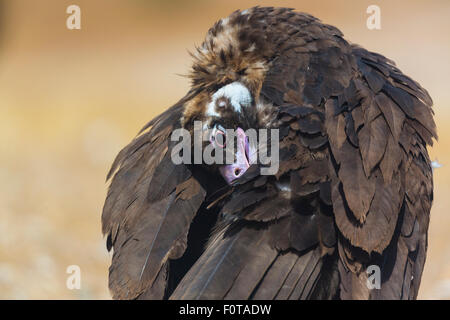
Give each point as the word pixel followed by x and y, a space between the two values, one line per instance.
pixel 243 158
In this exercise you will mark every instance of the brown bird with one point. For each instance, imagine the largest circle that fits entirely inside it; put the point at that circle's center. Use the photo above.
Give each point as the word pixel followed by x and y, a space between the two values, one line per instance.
pixel 352 192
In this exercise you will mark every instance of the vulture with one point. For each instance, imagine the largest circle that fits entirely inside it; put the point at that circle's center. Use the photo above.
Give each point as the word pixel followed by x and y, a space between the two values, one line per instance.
pixel 352 190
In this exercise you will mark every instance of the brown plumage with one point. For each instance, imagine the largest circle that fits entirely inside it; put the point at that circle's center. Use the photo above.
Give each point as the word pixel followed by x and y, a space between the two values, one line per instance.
pixel 354 186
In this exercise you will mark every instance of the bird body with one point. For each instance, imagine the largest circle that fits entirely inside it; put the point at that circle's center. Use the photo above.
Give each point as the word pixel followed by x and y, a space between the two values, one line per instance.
pixel 352 190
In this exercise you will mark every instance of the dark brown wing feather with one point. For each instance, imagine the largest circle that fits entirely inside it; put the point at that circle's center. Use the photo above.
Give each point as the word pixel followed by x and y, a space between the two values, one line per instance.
pixel 378 123
pixel 148 211
pixel 269 245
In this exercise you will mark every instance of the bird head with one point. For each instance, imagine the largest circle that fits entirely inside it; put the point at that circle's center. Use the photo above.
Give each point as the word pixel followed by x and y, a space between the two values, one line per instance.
pixel 227 75
pixel 224 118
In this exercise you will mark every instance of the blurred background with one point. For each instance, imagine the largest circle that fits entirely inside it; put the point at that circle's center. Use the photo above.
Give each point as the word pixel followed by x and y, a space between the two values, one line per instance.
pixel 70 99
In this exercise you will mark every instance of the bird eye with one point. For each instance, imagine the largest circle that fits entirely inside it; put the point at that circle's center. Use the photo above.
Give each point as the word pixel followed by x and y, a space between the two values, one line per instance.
pixel 218 136
pixel 220 139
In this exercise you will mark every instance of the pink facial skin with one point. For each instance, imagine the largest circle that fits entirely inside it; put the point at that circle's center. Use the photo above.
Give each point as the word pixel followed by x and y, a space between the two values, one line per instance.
pixel 233 171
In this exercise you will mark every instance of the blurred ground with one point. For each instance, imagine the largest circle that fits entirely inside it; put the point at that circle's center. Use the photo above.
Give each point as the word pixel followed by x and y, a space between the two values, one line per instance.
pixel 70 99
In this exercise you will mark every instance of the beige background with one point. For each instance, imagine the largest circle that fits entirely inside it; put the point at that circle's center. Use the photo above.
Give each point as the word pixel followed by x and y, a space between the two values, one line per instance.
pixel 69 100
